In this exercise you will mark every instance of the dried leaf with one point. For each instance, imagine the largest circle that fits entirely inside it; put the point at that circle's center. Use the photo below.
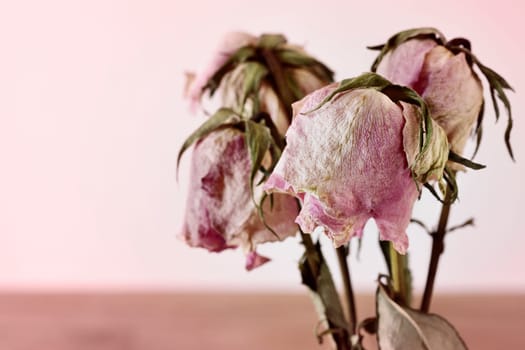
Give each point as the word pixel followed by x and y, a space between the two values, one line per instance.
pixel 254 72
pixel 403 328
pixel 258 139
pixel 224 116
pixel 322 287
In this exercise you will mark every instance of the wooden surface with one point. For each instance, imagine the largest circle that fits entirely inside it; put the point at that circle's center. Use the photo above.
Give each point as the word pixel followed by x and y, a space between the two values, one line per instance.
pixel 210 321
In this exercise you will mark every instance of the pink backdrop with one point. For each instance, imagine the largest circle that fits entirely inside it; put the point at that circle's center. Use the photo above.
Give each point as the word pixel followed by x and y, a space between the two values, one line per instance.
pixel 92 117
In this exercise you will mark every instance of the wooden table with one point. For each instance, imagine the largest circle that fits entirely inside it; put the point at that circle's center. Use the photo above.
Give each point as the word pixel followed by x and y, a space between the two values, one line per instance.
pixel 166 321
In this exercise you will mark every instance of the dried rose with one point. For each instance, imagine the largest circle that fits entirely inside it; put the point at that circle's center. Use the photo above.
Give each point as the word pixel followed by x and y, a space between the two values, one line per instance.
pixel 220 213
pixel 442 73
pixel 356 150
pixel 258 81
pixel 230 43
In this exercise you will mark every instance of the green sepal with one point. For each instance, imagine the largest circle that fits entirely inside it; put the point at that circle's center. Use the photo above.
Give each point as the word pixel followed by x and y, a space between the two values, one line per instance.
pixel 260 212
pixel 296 59
pixel 456 158
pixel 254 73
pixel 401 37
pixel 223 117
pixel 243 54
pixel 497 86
pixel 366 80
pixel 449 178
pixel 479 129
pixel 258 141
pixel 271 41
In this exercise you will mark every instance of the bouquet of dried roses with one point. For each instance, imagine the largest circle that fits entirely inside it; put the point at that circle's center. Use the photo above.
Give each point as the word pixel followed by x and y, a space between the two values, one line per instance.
pixel 290 152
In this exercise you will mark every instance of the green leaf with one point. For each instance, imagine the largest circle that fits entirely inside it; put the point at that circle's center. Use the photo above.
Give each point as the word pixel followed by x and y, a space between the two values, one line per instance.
pixel 404 328
pixel 258 140
pixel 401 37
pixel 223 117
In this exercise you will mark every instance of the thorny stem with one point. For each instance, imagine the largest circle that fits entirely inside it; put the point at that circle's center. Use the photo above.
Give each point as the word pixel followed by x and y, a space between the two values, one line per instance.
pixel 437 248
pixel 342 254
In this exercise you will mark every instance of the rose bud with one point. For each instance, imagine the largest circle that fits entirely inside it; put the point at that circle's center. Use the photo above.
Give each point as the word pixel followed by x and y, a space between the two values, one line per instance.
pixel 356 150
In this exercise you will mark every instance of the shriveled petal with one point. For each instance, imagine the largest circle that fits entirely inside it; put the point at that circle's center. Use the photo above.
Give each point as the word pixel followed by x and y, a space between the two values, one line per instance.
pixel 447 83
pixel 453 93
pixel 426 165
pixel 254 260
pixel 347 164
pixel 403 64
pixel 220 213
pixel 230 43
pixel 269 102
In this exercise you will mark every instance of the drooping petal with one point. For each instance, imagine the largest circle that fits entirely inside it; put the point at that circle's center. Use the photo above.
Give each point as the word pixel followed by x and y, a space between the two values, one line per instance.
pixel 230 43
pixel 254 260
pixel 427 164
pixel 403 65
pixel 347 163
pixel 453 93
pixel 446 81
pixel 220 213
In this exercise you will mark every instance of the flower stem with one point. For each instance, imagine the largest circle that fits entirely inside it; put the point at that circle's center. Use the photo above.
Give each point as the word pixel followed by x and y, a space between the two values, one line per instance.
pixel 437 249
pixel 399 275
pixel 342 255
pixel 314 258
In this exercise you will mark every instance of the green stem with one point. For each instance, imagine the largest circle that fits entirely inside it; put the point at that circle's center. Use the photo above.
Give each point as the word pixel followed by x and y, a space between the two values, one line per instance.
pixel 438 246
pixel 398 268
pixel 342 257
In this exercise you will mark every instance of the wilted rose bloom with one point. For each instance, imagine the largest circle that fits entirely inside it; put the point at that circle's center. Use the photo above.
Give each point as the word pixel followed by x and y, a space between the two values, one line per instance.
pixel 445 80
pixel 351 160
pixel 220 213
pixel 268 98
pixel 230 43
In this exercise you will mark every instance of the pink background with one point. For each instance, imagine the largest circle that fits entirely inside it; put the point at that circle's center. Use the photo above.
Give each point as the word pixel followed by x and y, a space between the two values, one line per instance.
pixel 92 116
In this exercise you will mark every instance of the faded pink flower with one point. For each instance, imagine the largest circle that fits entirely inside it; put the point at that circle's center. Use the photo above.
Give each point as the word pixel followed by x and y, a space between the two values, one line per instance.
pixel 230 43
pixel 220 210
pixel 220 213
pixel 267 98
pixel 352 160
pixel 445 80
